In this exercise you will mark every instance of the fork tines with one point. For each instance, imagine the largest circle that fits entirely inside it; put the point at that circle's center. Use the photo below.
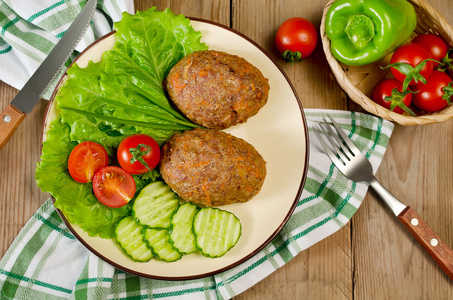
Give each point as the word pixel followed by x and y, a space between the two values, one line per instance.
pixel 344 149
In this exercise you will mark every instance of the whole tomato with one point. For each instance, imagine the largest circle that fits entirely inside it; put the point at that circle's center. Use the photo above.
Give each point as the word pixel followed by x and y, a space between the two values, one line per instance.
pixel 138 154
pixel 435 94
pixel 409 64
pixel 434 44
pixel 296 38
pixel 388 93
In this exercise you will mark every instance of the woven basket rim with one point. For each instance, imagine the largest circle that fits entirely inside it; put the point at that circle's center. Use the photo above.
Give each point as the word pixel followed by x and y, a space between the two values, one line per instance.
pixel 366 103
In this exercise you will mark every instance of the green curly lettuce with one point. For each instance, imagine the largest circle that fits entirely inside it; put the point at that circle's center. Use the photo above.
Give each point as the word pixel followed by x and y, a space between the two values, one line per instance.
pixel 110 100
pixel 76 200
pixel 123 94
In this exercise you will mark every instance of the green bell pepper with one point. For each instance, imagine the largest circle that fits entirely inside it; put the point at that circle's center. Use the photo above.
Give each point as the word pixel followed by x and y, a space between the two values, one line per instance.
pixel 364 31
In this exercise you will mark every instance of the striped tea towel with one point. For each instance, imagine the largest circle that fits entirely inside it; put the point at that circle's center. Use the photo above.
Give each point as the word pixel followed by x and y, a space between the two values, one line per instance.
pixel 47 262
pixel 29 29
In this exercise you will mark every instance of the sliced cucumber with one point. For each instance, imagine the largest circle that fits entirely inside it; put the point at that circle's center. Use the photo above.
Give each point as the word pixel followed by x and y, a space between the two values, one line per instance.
pixel 128 235
pixel 216 231
pixel 181 235
pixel 155 205
pixel 158 240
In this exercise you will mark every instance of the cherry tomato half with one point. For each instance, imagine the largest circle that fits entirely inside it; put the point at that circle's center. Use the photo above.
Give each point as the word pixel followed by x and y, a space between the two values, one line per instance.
pixel 296 35
pixel 384 89
pixel 434 44
pixel 113 186
pixel 85 160
pixel 138 154
pixel 411 54
pixel 428 97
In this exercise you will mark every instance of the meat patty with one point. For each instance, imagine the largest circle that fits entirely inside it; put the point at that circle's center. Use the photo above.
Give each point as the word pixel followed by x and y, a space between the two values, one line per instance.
pixel 217 90
pixel 212 168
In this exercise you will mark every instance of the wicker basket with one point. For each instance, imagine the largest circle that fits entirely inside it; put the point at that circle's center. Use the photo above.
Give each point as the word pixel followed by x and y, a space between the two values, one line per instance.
pixel 359 81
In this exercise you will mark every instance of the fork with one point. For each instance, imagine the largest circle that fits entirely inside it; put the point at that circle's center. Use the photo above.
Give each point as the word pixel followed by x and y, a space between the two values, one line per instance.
pixel 354 165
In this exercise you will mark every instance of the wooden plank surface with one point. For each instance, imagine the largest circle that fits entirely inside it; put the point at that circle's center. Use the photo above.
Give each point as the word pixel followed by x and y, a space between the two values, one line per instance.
pixel 372 257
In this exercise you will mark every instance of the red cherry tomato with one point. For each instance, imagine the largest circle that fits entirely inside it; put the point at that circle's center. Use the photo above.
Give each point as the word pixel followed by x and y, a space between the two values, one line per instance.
pixel 85 160
pixel 434 44
pixel 428 97
pixel 384 89
pixel 138 154
pixel 296 35
pixel 113 186
pixel 411 54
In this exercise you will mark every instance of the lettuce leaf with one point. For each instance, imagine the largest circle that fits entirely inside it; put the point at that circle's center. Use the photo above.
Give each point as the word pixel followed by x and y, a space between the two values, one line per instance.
pixel 123 94
pixel 107 101
pixel 156 41
pixel 76 200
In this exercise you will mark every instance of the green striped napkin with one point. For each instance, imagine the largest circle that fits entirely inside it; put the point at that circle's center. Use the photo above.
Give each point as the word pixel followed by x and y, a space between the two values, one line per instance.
pixel 30 29
pixel 47 262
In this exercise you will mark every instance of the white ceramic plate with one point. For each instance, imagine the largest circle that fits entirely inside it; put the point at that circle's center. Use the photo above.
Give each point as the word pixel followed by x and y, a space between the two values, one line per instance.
pixel 278 132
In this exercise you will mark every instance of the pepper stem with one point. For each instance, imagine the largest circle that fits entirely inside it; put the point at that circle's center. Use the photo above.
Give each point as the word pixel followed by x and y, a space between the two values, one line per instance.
pixel 360 30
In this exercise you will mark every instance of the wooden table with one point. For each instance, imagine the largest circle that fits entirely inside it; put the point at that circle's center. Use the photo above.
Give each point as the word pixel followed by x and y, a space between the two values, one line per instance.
pixel 372 257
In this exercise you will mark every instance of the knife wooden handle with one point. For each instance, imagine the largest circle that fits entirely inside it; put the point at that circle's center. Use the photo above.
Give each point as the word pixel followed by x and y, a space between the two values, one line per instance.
pixel 10 119
pixel 433 244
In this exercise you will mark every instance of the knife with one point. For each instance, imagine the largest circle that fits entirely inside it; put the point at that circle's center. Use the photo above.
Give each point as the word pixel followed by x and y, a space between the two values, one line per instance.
pixel 30 94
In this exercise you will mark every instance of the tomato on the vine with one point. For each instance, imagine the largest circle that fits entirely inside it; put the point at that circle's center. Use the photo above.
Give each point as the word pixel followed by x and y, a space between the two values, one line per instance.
pixel 411 55
pixel 296 38
pixel 434 44
pixel 138 154
pixel 85 160
pixel 385 95
pixel 435 94
pixel 113 186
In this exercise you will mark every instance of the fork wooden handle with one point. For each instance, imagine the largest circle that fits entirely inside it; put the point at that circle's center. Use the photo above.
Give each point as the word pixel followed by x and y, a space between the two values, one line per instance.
pixel 433 244
pixel 10 119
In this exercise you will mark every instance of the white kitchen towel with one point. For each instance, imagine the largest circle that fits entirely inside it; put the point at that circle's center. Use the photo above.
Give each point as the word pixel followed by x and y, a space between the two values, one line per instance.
pixel 30 29
pixel 46 261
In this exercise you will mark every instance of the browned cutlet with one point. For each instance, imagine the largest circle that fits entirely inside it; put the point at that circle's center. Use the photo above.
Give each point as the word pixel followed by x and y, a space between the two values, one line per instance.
pixel 212 168
pixel 217 90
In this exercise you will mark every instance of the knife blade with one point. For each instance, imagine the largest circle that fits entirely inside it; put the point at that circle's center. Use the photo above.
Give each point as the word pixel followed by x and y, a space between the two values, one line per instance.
pixel 30 94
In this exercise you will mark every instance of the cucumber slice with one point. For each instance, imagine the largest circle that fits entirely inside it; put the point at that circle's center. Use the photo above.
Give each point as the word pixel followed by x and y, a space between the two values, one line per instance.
pixel 216 231
pixel 158 240
pixel 181 235
pixel 128 236
pixel 155 205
